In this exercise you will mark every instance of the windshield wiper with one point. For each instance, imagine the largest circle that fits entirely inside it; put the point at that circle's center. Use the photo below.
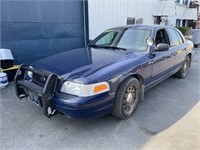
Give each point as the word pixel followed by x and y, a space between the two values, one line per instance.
pixel 101 46
pixel 96 46
pixel 115 47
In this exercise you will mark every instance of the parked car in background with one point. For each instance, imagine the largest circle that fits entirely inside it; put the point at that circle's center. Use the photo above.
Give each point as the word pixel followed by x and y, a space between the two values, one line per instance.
pixel 109 76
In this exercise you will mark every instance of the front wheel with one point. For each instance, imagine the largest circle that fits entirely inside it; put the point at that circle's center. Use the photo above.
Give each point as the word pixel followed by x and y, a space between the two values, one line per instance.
pixel 126 99
pixel 182 73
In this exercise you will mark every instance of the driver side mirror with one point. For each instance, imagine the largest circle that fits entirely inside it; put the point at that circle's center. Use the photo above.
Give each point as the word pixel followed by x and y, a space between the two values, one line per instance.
pixel 162 47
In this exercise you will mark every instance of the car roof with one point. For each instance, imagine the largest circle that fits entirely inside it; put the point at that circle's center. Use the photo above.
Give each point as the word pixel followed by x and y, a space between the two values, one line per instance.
pixel 154 27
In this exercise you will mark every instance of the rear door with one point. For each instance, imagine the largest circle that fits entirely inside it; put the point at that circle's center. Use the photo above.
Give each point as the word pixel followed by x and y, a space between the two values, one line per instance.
pixel 177 45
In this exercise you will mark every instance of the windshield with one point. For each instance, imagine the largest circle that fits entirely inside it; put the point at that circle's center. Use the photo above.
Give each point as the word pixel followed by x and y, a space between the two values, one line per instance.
pixel 131 38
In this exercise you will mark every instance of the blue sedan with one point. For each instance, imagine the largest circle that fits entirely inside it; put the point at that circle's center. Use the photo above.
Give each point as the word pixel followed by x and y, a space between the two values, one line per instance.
pixel 110 75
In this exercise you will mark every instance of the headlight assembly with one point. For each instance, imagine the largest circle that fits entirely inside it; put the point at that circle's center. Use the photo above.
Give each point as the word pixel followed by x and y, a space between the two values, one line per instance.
pixel 84 90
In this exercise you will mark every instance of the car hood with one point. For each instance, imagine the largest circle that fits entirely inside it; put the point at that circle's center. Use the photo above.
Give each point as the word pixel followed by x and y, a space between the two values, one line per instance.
pixel 82 62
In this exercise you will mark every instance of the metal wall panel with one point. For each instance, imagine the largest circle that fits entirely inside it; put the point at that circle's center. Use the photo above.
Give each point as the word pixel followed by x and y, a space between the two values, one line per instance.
pixel 104 14
pixel 37 29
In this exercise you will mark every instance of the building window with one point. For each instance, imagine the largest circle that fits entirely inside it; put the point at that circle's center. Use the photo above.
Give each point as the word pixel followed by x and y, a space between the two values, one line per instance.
pixel 130 21
pixel 185 2
pixel 184 23
pixel 157 19
pixel 139 21
pixel 177 1
pixel 167 22
pixel 178 22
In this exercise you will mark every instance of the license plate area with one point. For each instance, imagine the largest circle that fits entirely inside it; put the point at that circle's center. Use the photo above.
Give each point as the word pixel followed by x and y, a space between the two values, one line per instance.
pixel 35 98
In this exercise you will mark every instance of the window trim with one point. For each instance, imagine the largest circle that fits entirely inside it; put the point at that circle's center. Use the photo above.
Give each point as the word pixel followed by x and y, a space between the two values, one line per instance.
pixel 181 35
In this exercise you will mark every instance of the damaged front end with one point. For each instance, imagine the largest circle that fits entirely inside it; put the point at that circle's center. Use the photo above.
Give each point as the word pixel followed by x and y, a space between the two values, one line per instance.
pixel 41 88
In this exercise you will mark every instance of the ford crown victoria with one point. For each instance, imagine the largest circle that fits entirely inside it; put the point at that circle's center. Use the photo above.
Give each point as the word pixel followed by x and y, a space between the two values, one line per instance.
pixel 110 75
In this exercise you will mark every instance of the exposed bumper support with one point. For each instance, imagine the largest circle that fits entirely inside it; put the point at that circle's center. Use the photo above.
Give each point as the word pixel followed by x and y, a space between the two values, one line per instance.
pixel 41 95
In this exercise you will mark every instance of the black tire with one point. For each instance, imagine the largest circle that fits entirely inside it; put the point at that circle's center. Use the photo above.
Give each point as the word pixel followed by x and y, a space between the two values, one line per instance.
pixel 126 98
pixel 182 73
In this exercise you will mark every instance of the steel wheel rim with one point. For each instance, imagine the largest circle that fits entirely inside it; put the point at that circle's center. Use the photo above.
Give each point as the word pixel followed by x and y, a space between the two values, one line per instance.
pixel 129 99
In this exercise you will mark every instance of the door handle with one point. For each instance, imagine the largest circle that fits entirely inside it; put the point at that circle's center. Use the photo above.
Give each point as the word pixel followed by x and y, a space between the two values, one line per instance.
pixel 169 56
pixel 151 62
pixel 174 53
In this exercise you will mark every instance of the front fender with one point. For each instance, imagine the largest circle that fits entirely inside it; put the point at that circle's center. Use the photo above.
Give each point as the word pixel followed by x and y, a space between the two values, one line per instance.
pixel 117 81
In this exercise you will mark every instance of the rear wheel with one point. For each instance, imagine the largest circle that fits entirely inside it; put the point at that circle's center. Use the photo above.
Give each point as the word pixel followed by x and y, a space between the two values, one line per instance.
pixel 126 99
pixel 182 73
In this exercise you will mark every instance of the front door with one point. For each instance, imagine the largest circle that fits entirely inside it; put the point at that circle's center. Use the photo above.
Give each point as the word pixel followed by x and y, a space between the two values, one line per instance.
pixel 163 62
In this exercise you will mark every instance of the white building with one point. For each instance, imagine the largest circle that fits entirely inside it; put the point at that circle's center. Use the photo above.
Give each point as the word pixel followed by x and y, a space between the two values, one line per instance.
pixel 104 14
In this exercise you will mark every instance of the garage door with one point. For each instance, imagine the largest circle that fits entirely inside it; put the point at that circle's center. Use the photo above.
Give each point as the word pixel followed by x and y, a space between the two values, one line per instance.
pixel 37 29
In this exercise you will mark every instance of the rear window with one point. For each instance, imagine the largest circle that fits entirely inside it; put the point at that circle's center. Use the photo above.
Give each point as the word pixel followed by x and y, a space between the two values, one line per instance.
pixel 174 39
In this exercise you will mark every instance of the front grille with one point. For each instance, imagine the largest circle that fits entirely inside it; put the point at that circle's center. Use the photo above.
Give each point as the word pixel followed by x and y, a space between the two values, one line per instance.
pixel 38 79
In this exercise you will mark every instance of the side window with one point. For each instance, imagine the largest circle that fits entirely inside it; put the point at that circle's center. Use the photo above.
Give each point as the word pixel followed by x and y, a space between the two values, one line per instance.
pixel 107 39
pixel 179 37
pixel 161 37
pixel 174 40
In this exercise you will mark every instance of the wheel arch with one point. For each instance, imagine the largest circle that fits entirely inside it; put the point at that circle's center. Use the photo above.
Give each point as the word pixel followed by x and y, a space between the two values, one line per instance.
pixel 139 77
